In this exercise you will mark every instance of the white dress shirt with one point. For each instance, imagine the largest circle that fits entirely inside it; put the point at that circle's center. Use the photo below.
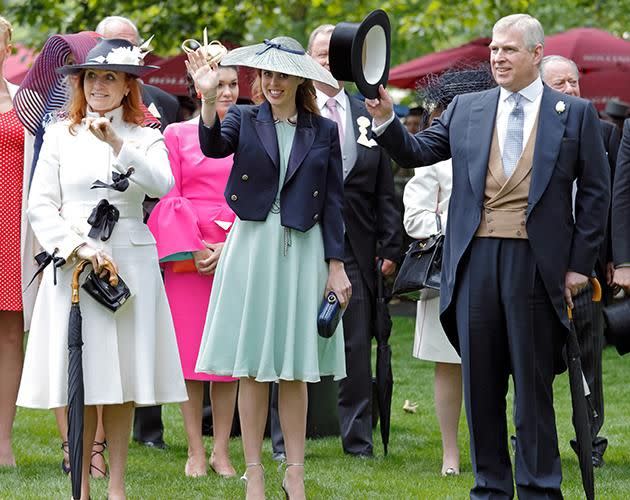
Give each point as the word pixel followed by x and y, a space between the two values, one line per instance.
pixel 342 106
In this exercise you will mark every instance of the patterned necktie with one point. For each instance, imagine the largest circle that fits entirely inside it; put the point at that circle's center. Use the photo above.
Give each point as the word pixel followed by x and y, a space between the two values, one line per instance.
pixel 333 114
pixel 513 145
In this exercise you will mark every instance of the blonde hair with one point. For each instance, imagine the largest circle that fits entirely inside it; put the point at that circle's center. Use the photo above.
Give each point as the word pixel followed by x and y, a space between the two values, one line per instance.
pixel 6 28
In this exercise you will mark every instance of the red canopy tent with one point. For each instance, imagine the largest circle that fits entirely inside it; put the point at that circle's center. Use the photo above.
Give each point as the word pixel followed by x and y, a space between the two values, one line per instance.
pixel 171 77
pixel 591 49
pixel 407 74
pixel 603 60
pixel 17 64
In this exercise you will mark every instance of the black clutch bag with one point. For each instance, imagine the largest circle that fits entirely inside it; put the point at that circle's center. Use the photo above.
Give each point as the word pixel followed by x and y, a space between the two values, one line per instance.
pixel 419 274
pixel 112 297
pixel 330 313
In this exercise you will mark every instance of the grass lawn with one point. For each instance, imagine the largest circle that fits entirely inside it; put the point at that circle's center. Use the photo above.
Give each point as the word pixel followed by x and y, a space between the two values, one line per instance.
pixel 411 469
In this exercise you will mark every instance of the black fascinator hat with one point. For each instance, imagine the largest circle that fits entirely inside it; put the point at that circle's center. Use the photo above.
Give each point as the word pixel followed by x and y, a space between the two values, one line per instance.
pixel 437 91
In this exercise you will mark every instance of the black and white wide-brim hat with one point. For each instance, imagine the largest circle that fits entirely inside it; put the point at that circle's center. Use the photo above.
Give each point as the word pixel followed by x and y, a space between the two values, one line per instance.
pixel 282 54
pixel 360 52
pixel 113 54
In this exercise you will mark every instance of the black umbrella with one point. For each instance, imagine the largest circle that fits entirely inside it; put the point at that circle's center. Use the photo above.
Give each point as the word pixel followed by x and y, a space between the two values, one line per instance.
pixel 76 394
pixel 384 378
pixel 579 402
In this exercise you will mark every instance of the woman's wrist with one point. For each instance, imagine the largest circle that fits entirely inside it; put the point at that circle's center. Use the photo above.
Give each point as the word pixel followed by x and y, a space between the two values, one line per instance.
pixel 209 98
pixel 335 265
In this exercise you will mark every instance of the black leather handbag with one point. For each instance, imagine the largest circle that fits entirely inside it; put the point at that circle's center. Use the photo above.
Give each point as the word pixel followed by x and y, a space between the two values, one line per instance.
pixel 112 297
pixel 419 274
pixel 330 313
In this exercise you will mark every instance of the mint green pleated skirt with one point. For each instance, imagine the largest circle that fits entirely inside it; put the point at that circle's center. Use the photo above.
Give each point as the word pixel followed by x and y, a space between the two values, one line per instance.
pixel 262 317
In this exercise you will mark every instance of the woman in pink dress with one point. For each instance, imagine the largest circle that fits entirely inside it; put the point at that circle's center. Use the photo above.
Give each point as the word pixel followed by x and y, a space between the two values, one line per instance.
pixel 190 225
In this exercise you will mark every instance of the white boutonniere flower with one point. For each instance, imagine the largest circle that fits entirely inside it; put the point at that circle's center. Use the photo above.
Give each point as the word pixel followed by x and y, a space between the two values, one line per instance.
pixel 560 107
pixel 363 124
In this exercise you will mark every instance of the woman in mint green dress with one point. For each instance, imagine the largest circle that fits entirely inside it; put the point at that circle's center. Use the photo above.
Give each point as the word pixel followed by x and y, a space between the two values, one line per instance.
pixel 285 250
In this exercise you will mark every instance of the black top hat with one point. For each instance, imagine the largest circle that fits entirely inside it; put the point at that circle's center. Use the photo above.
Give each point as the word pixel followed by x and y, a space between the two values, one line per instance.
pixel 616 109
pixel 360 52
pixel 113 54
pixel 617 318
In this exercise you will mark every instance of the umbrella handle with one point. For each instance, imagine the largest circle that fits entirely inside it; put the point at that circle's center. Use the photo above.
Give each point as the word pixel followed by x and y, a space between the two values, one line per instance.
pixel 597 289
pixel 78 269
pixel 108 266
pixel 597 295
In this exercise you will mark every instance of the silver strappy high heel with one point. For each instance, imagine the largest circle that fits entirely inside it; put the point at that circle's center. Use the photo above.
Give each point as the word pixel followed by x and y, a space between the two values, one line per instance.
pixel 284 480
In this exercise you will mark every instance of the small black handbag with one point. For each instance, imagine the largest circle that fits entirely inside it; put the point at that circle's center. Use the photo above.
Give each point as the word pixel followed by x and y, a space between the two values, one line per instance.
pixel 419 274
pixel 330 313
pixel 112 297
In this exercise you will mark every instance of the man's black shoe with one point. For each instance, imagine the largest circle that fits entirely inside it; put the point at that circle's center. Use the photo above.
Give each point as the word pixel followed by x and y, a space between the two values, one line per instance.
pixel 160 445
pixel 364 455
pixel 599 447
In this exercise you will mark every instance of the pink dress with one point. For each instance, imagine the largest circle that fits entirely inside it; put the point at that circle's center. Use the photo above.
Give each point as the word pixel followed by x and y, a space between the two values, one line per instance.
pixel 194 210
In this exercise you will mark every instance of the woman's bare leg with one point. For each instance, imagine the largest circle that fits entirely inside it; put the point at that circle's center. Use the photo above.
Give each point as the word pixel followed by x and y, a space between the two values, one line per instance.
pixel 98 463
pixel 117 422
pixel 292 406
pixel 192 413
pixel 89 428
pixel 448 406
pixel 223 399
pixel 61 417
pixel 11 361
pixel 253 404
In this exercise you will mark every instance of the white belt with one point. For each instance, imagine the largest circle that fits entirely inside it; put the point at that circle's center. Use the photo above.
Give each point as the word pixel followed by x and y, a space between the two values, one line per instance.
pixel 83 210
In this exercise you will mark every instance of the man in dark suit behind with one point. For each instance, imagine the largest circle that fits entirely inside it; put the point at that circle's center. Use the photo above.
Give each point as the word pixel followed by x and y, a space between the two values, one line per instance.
pixel 147 427
pixel 562 74
pixel 372 229
pixel 513 256
pixel 621 213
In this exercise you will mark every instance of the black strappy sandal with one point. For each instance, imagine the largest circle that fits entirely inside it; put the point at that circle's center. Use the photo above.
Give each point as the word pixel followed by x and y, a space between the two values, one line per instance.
pixel 101 451
pixel 65 466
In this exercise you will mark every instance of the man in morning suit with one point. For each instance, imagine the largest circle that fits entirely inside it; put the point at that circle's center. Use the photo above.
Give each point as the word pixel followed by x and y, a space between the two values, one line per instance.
pixel 621 213
pixel 147 426
pixel 372 229
pixel 514 255
pixel 562 75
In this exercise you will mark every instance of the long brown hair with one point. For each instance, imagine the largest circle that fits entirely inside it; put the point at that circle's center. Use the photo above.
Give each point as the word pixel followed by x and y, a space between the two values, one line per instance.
pixel 131 103
pixel 305 97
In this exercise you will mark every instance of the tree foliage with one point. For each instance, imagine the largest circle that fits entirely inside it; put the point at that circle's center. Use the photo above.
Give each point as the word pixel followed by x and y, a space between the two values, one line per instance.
pixel 418 26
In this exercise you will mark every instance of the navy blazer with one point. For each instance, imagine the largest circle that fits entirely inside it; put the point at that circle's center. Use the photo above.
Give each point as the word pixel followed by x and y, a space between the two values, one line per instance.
pixel 621 202
pixel 568 147
pixel 313 186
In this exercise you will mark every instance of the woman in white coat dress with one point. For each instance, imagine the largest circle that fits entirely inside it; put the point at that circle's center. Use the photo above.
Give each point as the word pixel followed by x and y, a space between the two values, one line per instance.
pixel 426 198
pixel 129 357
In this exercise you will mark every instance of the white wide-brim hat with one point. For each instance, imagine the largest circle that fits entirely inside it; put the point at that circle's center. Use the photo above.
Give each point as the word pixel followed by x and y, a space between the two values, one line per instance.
pixel 282 55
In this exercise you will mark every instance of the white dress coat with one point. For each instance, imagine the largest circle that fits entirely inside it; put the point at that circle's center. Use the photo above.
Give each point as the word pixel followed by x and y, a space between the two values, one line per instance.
pixel 426 194
pixel 29 247
pixel 130 355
